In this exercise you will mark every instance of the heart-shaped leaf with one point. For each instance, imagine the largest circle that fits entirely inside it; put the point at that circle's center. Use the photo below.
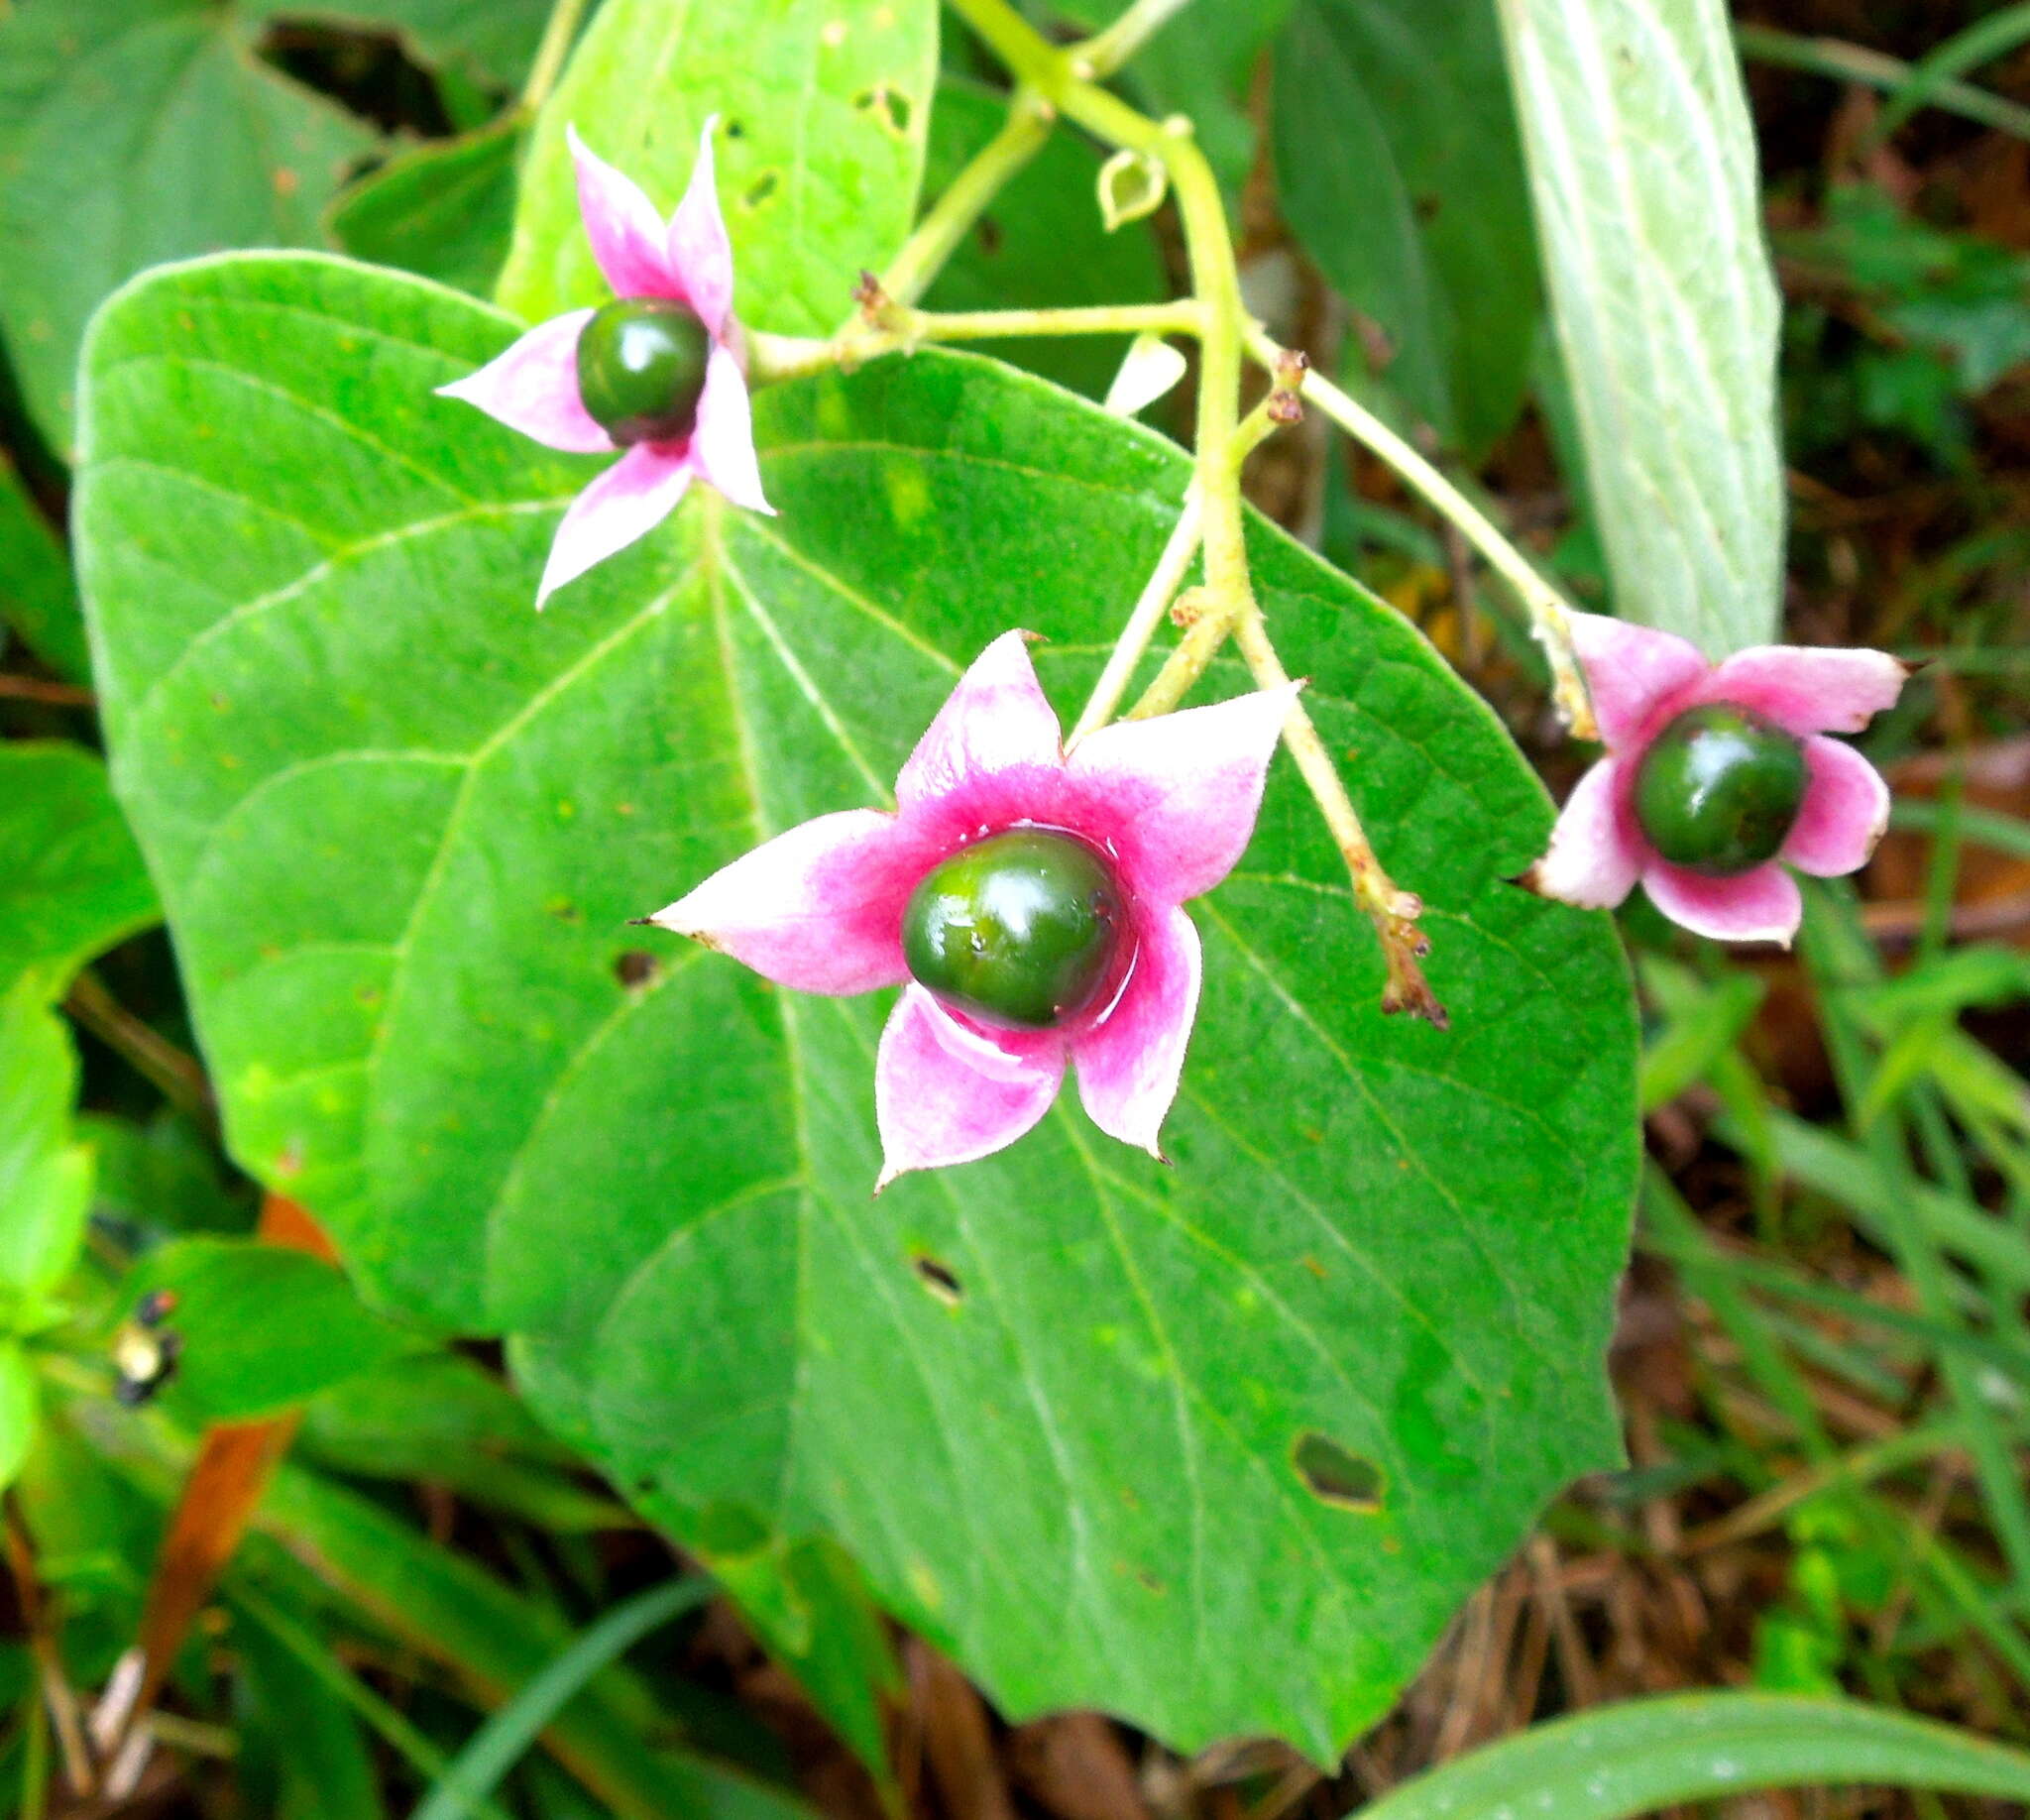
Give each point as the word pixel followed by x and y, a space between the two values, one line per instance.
pixel 822 106
pixel 1643 165
pixel 1083 1419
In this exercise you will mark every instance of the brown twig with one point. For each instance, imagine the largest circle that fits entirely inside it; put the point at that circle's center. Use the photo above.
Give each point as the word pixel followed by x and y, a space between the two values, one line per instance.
pixel 52 694
pixel 177 1075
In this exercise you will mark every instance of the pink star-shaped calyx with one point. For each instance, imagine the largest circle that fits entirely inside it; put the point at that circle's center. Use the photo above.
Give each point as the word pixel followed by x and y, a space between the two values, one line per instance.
pixel 1641 681
pixel 534 386
pixel 1168 804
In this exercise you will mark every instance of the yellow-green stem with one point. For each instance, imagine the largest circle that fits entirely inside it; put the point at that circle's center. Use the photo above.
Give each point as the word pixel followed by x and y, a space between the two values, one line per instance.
pixel 558 33
pixel 1227 604
pixel 901 331
pixel 1106 51
pixel 965 198
pixel 1157 595
pixel 1215 279
pixel 1393 912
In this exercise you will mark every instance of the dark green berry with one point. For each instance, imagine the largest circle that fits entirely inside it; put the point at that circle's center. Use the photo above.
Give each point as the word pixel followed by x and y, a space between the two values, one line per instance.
pixel 1019 930
pixel 1719 790
pixel 641 369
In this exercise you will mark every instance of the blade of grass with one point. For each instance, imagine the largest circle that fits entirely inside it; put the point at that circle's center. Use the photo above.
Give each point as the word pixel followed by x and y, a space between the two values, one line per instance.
pixel 1888 1526
pixel 1643 1755
pixel 1859 1466
pixel 396 1582
pixel 1979 43
pixel 1842 1169
pixel 383 1718
pixel 2005 834
pixel 1841 62
pixel 499 1744
pixel 1837 954
pixel 1793 1285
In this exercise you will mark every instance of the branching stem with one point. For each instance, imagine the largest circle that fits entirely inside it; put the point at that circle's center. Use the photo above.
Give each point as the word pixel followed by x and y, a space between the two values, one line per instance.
pixel 947 221
pixel 1150 610
pixel 1225 605
pixel 885 327
pixel 1105 52
pixel 1545 604
pixel 1051 82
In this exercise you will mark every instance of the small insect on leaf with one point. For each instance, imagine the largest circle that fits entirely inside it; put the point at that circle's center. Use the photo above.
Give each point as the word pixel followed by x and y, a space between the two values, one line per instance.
pixel 145 1354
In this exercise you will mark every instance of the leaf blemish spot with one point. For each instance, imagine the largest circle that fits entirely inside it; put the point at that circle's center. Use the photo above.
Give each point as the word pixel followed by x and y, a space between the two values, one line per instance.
pixel 889 107
pixel 1337 1477
pixel 761 189
pixel 938 1277
pixel 637 969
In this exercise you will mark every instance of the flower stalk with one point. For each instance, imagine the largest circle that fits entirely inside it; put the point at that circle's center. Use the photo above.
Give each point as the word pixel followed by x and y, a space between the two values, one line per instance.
pixel 1225 605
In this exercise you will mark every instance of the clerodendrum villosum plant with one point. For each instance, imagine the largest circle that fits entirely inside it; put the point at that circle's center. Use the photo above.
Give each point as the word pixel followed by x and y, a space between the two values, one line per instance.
pixel 1083 1419
pixel 1029 894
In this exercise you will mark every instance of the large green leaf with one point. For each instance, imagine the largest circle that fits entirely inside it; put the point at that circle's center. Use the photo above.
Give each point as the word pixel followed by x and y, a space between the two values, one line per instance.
pixel 1398 166
pixel 133 131
pixel 72 880
pixel 1643 166
pixel 402 821
pixel 1620 1761
pixel 45 1176
pixel 823 109
pixel 37 596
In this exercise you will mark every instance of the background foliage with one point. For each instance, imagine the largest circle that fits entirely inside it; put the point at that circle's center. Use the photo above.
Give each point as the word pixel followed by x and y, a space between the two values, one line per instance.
pixel 1083 1425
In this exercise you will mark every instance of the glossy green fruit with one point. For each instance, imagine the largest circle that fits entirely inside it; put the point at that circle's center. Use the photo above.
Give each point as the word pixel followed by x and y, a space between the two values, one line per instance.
pixel 1719 790
pixel 1019 930
pixel 641 369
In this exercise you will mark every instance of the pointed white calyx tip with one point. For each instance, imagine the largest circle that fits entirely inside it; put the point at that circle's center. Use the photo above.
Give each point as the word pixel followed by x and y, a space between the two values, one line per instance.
pixel 1151 368
pixel 671 917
